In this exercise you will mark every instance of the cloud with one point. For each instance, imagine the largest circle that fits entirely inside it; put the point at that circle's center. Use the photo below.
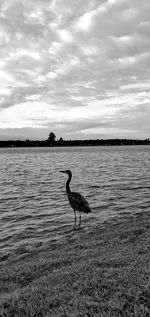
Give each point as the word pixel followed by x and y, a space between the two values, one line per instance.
pixel 78 61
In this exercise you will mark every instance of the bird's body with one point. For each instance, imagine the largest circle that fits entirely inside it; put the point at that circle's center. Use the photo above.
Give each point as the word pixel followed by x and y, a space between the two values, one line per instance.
pixel 76 200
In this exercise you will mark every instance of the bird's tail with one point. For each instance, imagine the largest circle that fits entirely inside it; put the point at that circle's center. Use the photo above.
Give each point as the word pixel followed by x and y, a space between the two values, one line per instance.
pixel 88 210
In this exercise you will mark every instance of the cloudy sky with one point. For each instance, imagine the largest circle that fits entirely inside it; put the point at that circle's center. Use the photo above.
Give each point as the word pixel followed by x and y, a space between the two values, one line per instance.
pixel 79 68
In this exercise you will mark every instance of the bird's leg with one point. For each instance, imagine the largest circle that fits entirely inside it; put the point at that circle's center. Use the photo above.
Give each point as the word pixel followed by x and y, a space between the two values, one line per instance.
pixel 79 219
pixel 74 219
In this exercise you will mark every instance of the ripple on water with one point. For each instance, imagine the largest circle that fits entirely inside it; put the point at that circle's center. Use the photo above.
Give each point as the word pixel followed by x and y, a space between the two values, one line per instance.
pixel 34 206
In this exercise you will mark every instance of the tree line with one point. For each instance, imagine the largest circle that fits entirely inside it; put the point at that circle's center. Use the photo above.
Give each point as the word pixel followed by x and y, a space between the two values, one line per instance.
pixel 51 141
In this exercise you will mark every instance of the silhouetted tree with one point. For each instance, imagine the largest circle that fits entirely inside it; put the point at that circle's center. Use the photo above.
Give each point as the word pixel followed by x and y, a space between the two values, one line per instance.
pixel 52 137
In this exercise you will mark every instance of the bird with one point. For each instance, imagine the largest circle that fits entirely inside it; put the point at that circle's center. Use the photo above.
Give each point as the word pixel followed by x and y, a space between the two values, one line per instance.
pixel 76 200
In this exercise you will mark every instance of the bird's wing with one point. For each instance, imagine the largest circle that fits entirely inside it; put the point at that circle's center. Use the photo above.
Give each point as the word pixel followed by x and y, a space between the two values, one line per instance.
pixel 78 202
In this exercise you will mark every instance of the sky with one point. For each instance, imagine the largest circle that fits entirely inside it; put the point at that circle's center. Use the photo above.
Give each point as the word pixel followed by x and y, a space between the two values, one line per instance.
pixel 79 68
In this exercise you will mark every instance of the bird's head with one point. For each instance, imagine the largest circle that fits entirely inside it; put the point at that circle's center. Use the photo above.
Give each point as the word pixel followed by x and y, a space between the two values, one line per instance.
pixel 68 172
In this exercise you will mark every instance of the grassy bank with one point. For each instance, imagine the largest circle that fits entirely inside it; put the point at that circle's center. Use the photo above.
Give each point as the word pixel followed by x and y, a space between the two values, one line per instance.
pixel 102 271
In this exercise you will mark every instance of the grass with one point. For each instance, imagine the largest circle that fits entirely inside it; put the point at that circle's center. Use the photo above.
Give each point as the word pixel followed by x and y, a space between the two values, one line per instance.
pixel 102 271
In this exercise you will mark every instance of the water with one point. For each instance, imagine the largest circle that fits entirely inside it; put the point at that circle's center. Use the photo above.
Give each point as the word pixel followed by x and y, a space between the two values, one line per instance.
pixel 33 204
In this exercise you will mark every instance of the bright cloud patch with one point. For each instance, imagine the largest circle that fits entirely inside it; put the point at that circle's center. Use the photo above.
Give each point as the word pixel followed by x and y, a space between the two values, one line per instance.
pixel 80 68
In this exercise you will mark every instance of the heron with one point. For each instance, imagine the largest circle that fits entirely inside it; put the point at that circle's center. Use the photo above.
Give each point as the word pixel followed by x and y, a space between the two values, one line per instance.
pixel 76 200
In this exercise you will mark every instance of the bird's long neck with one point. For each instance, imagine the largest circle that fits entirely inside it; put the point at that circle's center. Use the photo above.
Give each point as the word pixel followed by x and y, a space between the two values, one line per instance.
pixel 67 184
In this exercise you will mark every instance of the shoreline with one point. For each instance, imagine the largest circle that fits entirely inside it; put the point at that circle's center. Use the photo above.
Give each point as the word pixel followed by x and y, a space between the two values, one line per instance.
pixel 99 271
pixel 16 143
pixel 71 146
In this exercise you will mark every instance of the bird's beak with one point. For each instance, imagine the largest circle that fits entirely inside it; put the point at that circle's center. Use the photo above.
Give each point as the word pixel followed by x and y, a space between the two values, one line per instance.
pixel 61 171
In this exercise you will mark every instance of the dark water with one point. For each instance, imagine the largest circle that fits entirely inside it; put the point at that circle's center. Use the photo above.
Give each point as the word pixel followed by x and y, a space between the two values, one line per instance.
pixel 33 204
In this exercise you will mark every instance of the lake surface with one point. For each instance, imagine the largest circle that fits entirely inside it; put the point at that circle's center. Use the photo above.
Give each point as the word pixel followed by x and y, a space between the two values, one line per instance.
pixel 33 204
